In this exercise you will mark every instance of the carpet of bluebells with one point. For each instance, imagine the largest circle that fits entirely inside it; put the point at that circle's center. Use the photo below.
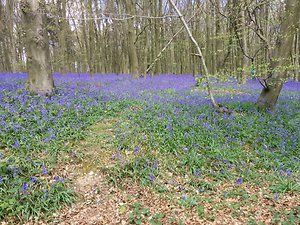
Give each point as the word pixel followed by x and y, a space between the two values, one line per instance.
pixel 167 127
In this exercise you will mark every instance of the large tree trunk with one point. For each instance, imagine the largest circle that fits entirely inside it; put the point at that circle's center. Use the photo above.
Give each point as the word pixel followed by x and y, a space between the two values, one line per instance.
pixel 10 4
pixel 296 55
pixel 7 38
pixel 281 56
pixel 40 79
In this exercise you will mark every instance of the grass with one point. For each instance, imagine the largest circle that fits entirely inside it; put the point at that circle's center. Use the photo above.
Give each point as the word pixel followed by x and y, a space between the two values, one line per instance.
pixel 167 137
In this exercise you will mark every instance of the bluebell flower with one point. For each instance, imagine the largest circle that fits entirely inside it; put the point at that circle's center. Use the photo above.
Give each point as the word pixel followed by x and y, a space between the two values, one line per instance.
pixel 288 172
pixel 24 187
pixel 44 170
pixel 198 171
pixel 46 194
pixel 32 179
pixel 16 145
pixel 152 177
pixel 239 181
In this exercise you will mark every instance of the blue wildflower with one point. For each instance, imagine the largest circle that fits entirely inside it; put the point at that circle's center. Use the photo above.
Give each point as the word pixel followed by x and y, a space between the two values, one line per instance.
pixel 44 170
pixel 24 187
pixel 46 193
pixel 15 145
pixel 152 177
pixel 32 179
pixel 288 172
pixel 239 181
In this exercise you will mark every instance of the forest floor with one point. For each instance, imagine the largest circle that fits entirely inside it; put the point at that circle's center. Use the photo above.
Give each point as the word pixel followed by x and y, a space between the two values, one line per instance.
pixel 102 202
pixel 147 151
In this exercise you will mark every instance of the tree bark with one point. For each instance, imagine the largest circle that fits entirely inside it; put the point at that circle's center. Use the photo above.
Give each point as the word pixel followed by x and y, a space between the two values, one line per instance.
pixel 239 22
pixel 133 59
pixel 281 57
pixel 296 55
pixel 40 80
pixel 245 60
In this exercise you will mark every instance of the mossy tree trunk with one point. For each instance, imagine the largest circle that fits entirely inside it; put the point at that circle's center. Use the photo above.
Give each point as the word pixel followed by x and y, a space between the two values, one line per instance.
pixel 40 78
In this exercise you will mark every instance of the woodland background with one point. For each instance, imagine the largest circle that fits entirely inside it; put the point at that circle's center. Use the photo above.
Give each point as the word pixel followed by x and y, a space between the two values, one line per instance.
pixel 117 36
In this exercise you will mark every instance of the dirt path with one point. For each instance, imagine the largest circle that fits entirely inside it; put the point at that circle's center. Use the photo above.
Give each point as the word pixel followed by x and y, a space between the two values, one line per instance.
pixel 101 202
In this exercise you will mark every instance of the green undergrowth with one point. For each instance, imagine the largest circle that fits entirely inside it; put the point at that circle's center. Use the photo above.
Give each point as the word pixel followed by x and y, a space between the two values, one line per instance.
pixel 35 133
pixel 251 146
pixel 176 144
pixel 171 140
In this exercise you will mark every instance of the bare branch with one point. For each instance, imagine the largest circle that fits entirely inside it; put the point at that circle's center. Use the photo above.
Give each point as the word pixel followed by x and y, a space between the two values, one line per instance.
pixel 166 46
pixel 206 73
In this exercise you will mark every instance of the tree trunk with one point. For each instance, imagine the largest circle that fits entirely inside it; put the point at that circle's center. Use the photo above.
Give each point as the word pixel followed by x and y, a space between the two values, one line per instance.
pixel 91 27
pixel 85 41
pixel 239 23
pixel 218 39
pixel 10 26
pixel 133 59
pixel 281 57
pixel 245 60
pixel 296 55
pixel 40 79
pixel 62 38
pixel 269 96
pixel 208 35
